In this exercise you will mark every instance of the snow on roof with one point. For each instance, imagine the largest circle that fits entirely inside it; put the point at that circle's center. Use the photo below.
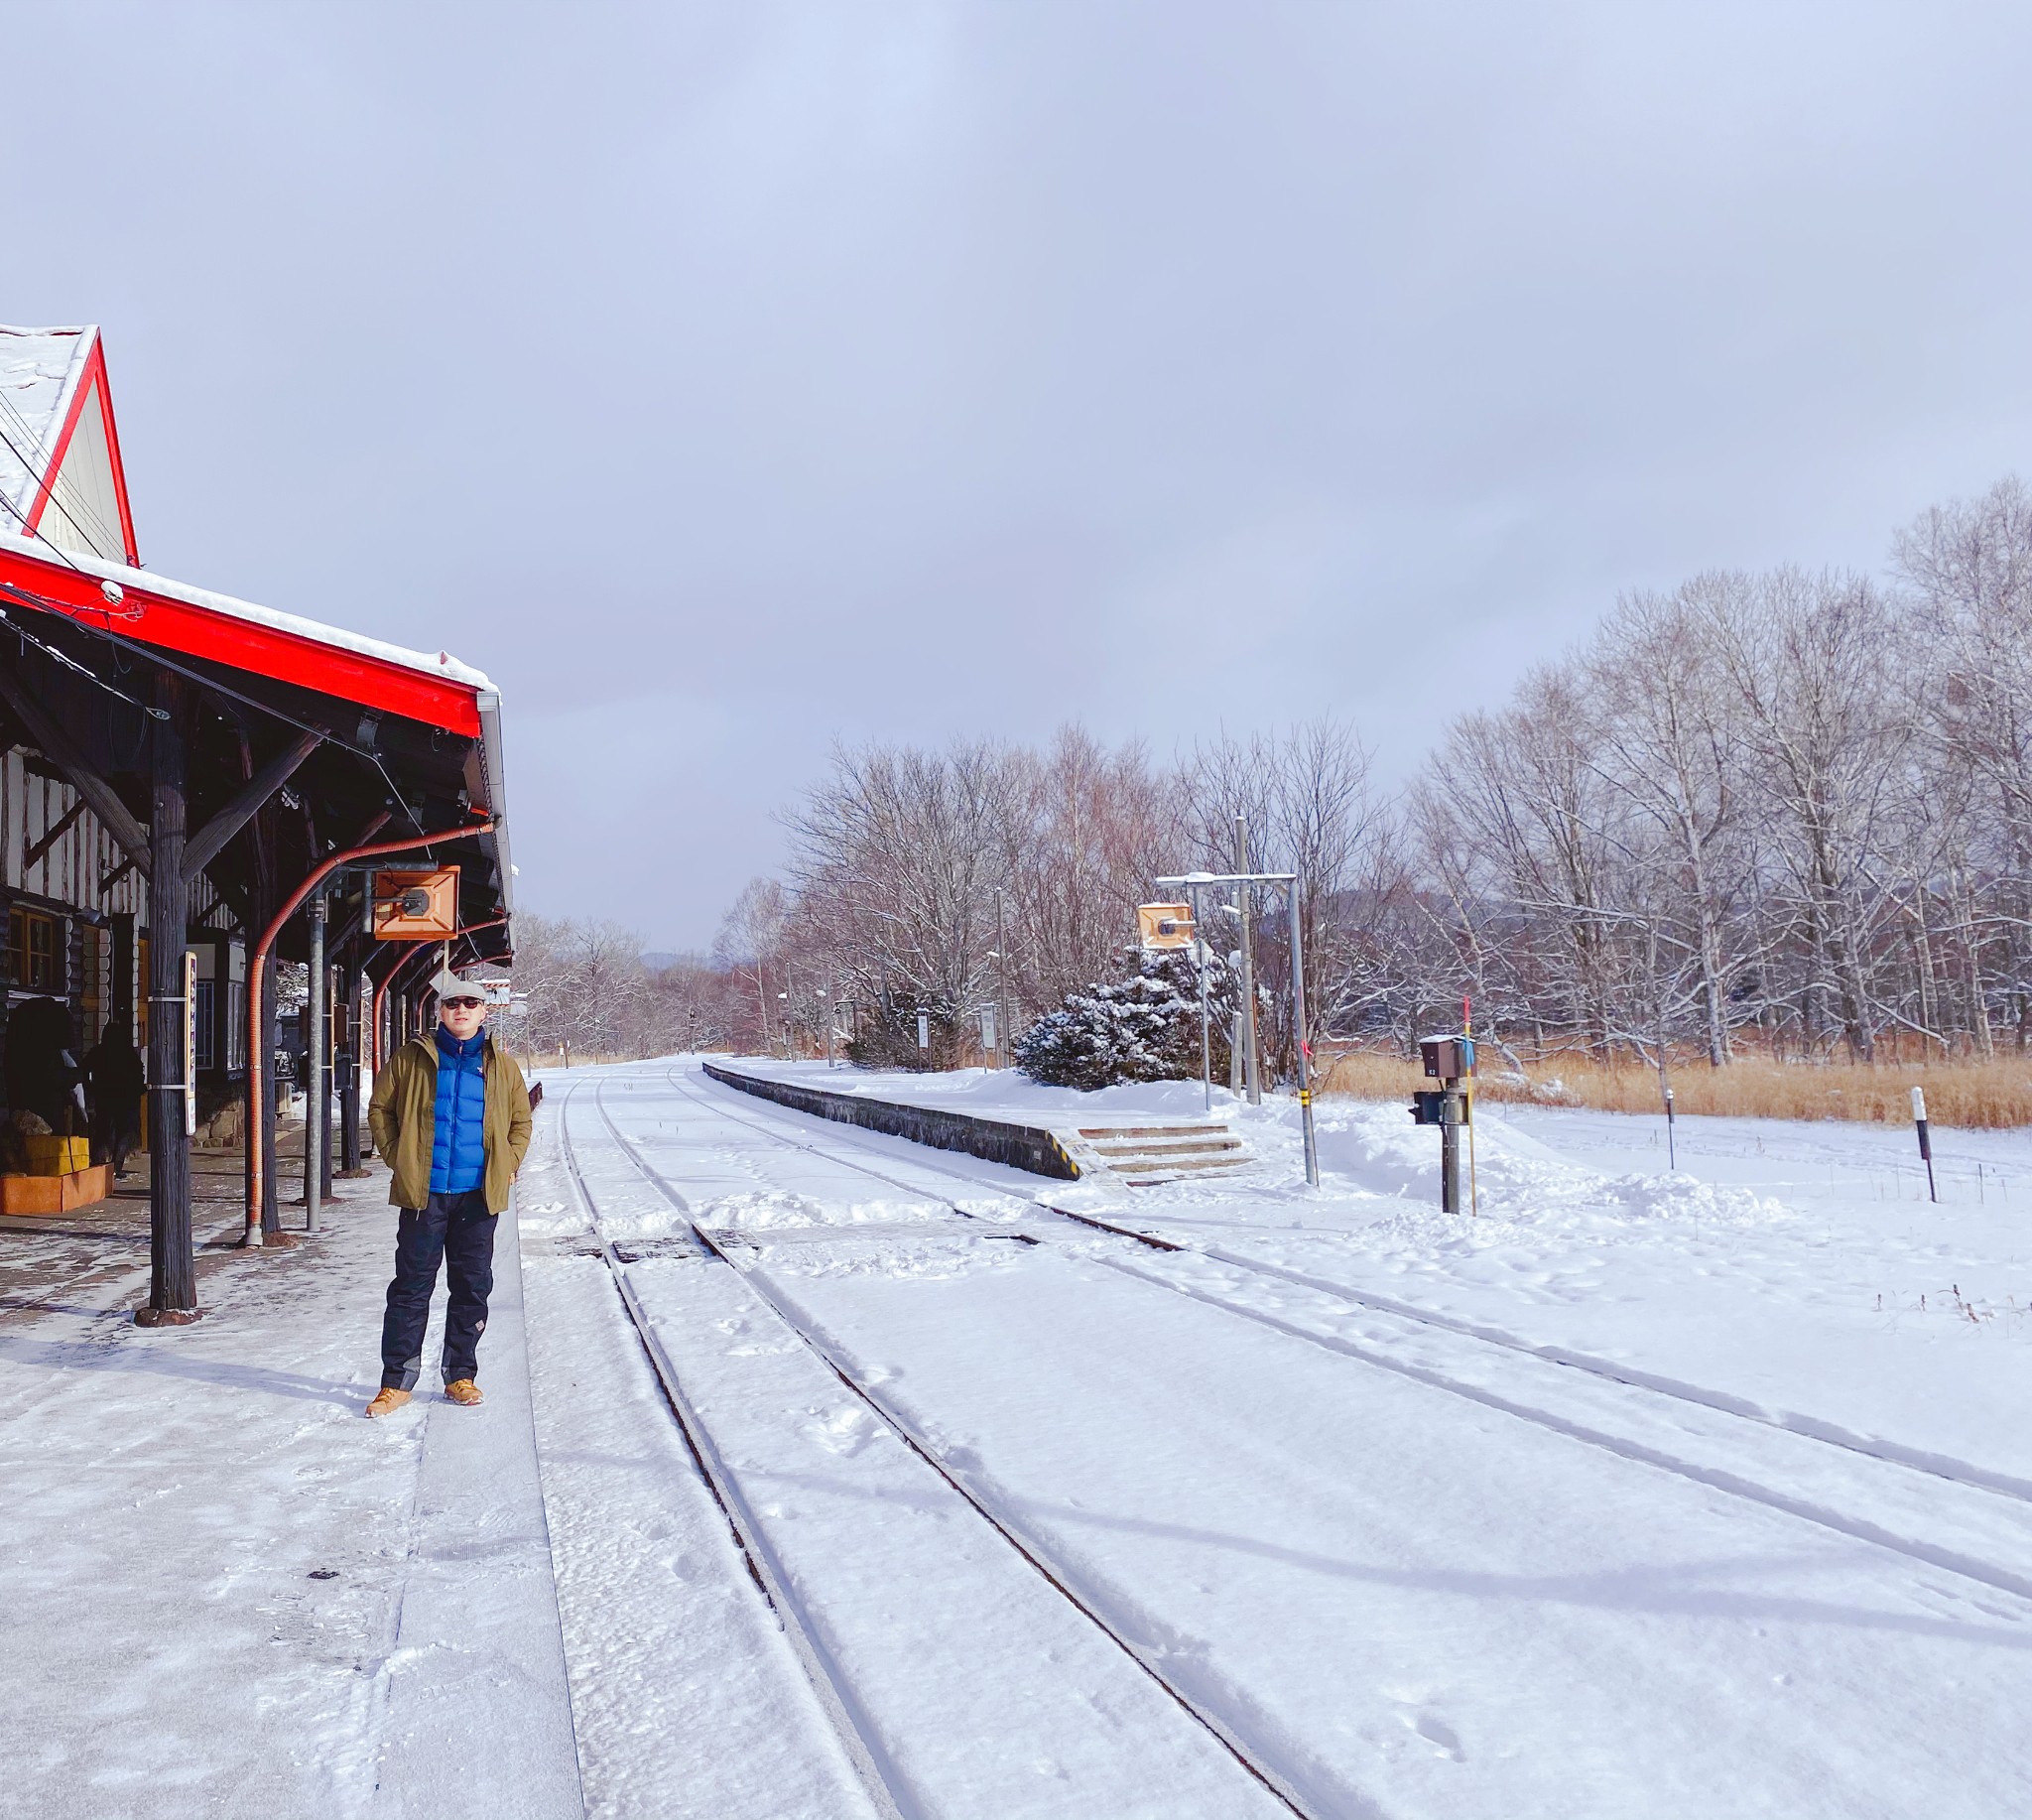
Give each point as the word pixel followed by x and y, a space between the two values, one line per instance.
pixel 41 370
pixel 443 665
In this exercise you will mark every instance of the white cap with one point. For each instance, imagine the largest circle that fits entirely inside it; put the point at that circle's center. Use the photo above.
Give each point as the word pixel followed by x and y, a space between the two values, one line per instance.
pixel 447 985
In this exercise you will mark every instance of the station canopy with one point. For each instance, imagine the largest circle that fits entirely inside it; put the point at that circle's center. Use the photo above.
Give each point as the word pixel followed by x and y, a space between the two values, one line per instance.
pixel 375 741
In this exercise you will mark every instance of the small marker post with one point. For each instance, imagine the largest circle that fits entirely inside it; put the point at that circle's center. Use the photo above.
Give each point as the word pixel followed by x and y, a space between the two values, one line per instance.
pixel 1925 1140
pixel 1671 1150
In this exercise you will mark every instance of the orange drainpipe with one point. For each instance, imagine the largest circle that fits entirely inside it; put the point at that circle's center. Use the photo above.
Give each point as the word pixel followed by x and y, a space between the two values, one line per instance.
pixel 381 998
pixel 257 965
pixel 381 990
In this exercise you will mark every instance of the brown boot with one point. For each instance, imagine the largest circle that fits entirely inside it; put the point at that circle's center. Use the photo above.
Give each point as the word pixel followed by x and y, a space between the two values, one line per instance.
pixel 463 1390
pixel 387 1400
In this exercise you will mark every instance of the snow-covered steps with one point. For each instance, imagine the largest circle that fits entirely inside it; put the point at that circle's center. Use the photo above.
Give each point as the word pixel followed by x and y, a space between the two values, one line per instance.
pixel 1143 1155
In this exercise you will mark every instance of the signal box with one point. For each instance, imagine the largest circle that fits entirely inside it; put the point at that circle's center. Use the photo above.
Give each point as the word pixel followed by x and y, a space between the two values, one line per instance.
pixel 1447 1058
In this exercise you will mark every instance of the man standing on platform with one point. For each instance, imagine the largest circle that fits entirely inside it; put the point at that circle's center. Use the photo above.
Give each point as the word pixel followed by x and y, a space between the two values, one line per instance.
pixel 450 1115
pixel 112 1067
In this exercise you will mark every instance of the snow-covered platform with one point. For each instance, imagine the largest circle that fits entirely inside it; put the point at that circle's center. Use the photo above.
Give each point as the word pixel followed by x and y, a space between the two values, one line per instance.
pixel 226 1593
pixel 1004 1118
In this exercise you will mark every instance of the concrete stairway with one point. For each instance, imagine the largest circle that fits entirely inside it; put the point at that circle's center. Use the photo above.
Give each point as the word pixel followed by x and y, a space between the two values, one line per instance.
pixel 1145 1154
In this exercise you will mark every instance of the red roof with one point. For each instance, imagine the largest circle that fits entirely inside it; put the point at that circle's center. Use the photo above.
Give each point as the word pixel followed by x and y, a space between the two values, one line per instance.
pixel 440 691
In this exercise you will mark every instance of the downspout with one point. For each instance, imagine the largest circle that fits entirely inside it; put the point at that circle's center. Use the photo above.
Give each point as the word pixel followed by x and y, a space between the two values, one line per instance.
pixel 381 998
pixel 381 990
pixel 257 965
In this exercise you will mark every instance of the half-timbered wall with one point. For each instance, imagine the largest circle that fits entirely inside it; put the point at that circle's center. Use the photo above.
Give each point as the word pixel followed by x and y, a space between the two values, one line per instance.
pixel 97 905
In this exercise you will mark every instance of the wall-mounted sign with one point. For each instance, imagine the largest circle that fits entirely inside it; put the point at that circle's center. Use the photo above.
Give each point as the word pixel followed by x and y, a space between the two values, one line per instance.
pixel 189 1044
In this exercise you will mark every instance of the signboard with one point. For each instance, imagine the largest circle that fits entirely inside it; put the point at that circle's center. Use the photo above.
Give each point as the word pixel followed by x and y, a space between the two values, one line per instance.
pixel 1163 926
pixel 924 1030
pixel 416 906
pixel 189 1044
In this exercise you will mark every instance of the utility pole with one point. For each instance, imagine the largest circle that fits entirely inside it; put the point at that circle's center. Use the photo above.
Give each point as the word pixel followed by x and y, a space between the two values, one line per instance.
pixel 1201 956
pixel 1246 1023
pixel 1298 1038
pixel 1001 986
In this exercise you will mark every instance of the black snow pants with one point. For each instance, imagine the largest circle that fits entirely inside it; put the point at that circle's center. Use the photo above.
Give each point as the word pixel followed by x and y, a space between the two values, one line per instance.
pixel 458 1229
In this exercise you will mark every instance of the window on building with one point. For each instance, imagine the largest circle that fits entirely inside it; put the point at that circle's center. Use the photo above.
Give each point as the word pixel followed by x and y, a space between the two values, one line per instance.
pixel 95 1002
pixel 237 1025
pixel 32 951
pixel 206 1034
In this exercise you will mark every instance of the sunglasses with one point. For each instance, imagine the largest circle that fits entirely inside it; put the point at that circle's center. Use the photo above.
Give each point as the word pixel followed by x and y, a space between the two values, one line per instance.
pixel 461 1004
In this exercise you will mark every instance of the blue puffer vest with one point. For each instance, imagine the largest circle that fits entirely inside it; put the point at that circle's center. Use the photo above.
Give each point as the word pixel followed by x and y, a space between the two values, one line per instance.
pixel 458 1131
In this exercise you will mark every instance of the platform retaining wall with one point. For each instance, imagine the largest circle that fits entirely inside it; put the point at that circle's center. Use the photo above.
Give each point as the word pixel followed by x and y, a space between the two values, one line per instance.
pixel 1030 1147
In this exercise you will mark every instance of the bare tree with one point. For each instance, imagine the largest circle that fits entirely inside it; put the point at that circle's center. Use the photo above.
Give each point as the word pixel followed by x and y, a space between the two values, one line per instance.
pixel 1808 659
pixel 896 857
pixel 1670 744
pixel 1091 828
pixel 749 947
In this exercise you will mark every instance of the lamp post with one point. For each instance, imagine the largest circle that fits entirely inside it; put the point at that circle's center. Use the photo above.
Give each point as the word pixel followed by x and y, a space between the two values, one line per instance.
pixel 1193 883
pixel 1252 1071
pixel 1001 987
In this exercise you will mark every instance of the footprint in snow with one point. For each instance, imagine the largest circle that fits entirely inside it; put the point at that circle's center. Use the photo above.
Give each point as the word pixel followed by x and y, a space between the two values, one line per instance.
pixel 844 1432
pixel 1440 1735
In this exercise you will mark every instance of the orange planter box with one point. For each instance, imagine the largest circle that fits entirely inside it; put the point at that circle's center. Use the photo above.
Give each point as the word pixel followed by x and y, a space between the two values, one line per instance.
pixel 55 1194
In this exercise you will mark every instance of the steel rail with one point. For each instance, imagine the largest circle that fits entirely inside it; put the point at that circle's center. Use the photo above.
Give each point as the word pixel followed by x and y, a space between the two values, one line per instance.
pixel 1827 1434
pixel 1032 1553
pixel 1967 1567
pixel 886 1787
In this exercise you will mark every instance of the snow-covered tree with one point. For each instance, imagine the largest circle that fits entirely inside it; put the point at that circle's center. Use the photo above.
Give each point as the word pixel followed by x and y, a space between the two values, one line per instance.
pixel 1142 1028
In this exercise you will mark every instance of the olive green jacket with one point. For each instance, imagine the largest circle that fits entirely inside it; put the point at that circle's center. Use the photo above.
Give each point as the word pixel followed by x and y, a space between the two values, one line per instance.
pixel 403 1115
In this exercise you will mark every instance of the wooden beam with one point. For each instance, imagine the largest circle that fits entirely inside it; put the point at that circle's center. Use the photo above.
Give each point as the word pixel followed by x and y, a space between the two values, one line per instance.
pixel 204 847
pixel 63 825
pixel 56 746
pixel 113 877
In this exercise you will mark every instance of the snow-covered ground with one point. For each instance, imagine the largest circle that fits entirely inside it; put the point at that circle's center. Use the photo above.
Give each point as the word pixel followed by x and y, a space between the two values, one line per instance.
pixel 1636 1492
pixel 1702 1493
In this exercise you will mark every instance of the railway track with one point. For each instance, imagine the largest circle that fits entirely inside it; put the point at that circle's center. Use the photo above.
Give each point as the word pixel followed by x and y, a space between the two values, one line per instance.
pixel 887 1785
pixel 1722 1476
pixel 834 1692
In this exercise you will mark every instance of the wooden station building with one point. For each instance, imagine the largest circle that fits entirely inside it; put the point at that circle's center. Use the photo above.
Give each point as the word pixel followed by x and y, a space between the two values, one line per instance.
pixel 187 774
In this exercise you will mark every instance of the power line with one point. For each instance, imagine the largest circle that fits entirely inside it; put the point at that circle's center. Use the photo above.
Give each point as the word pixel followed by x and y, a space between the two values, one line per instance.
pixel 115 554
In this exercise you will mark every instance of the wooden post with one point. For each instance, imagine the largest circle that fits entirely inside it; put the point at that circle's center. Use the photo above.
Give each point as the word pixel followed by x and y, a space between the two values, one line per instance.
pixel 173 1270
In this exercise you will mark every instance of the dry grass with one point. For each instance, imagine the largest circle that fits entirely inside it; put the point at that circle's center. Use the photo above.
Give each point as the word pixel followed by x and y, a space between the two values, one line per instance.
pixel 1983 1095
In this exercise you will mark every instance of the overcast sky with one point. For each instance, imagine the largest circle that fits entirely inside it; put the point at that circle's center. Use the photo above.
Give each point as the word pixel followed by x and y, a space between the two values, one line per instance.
pixel 726 379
